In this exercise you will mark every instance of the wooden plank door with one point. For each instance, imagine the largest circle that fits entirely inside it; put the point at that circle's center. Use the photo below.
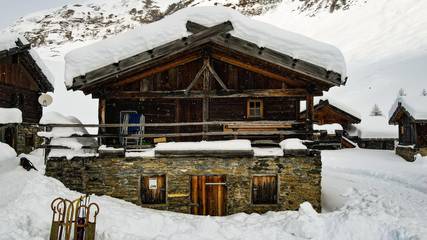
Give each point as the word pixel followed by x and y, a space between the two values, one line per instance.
pixel 208 195
pixel 264 190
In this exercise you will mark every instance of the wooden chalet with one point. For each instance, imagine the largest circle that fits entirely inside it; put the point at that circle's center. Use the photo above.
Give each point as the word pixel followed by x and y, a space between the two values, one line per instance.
pixel 22 81
pixel 412 127
pixel 211 85
pixel 208 85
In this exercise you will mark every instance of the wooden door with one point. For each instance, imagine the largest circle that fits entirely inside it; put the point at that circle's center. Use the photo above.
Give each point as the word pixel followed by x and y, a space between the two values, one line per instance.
pixel 153 189
pixel 208 195
pixel 264 190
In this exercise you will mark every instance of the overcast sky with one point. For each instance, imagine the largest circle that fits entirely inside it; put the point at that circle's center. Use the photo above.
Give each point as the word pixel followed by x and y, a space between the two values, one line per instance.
pixel 11 10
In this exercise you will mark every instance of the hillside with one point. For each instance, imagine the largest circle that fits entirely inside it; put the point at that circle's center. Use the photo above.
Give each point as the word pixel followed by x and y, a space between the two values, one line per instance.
pixel 383 41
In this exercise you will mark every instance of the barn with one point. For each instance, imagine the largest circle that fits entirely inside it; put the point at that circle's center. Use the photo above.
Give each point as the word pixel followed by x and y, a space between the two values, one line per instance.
pixel 23 78
pixel 210 87
pixel 410 114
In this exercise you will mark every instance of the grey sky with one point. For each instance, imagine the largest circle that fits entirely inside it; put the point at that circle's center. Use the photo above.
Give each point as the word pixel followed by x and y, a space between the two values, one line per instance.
pixel 11 10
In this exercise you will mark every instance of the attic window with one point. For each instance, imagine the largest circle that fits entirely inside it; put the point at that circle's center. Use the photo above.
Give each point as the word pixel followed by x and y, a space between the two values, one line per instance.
pixel 255 108
pixel 264 189
pixel 153 189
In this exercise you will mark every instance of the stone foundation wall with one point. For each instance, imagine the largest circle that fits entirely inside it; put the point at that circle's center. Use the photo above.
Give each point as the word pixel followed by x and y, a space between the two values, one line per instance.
pixel 409 153
pixel 26 138
pixel 381 144
pixel 299 178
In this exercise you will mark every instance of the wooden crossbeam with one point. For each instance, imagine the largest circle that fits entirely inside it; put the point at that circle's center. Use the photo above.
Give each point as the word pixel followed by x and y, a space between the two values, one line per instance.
pixel 212 94
pixel 196 78
pixel 216 77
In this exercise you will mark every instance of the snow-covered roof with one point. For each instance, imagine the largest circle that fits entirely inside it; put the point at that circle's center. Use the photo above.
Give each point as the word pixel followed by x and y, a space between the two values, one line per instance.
pixel 374 127
pixel 336 104
pixel 173 27
pixel 414 105
pixel 330 128
pixel 9 41
pixel 10 115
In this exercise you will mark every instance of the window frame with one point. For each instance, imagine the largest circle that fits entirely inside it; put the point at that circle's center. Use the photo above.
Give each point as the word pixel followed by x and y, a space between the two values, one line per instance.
pixel 248 108
pixel 140 190
pixel 277 189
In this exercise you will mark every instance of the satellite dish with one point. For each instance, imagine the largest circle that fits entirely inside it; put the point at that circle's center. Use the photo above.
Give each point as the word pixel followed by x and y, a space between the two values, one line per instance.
pixel 45 100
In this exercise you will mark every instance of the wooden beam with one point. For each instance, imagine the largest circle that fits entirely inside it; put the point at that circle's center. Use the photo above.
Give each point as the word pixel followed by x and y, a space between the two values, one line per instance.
pixel 310 111
pixel 157 69
pixel 249 67
pixel 196 78
pixel 212 94
pixel 216 76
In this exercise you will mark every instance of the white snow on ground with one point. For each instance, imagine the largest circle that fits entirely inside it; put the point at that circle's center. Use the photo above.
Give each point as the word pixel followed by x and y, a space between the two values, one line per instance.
pixel 173 27
pixel 292 144
pixel 10 115
pixel 367 194
pixel 374 127
pixel 238 144
pixel 329 128
pixel 415 105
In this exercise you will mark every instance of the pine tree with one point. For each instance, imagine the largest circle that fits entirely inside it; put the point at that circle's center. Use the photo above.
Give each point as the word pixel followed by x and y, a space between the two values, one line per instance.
pixel 402 92
pixel 376 111
pixel 424 92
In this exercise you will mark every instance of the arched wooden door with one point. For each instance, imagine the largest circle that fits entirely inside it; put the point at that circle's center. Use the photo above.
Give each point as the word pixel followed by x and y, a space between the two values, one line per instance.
pixel 208 195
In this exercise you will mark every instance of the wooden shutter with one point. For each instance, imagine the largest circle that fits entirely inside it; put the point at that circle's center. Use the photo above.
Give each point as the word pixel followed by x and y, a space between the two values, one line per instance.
pixel 153 193
pixel 264 190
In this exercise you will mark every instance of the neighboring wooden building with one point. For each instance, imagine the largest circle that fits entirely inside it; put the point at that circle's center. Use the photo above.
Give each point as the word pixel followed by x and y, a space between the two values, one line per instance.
pixel 330 113
pixel 327 115
pixel 410 114
pixel 209 85
pixel 22 80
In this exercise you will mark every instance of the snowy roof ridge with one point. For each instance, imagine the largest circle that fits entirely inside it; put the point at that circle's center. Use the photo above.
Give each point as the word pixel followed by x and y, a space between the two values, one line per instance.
pixel 146 37
pixel 414 105
pixel 15 42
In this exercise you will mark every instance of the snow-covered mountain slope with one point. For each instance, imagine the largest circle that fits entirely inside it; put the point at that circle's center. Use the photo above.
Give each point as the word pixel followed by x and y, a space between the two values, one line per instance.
pixel 383 41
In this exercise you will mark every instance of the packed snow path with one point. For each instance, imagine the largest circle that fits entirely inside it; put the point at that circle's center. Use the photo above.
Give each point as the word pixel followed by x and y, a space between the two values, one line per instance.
pixel 367 195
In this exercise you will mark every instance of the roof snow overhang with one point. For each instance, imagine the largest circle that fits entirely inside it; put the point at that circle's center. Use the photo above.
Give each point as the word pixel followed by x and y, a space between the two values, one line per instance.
pixel 202 36
pixel 325 103
pixel 400 112
pixel 29 63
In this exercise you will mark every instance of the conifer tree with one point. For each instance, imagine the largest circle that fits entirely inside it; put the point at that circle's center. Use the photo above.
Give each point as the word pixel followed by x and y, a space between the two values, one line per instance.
pixel 376 111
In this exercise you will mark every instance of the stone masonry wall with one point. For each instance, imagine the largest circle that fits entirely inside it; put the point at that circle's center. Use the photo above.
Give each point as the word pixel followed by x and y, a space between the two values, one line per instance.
pixel 24 133
pixel 299 178
pixel 409 153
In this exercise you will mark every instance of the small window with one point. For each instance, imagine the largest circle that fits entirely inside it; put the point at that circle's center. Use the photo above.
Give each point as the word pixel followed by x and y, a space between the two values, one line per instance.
pixel 153 189
pixel 255 108
pixel 264 190
pixel 30 140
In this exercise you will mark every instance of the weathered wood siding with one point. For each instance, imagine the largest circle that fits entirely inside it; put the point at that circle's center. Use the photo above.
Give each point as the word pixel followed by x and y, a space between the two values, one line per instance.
pixel 18 89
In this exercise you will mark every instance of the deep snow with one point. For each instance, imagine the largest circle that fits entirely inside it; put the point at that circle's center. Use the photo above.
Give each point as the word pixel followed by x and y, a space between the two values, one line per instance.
pixel 367 194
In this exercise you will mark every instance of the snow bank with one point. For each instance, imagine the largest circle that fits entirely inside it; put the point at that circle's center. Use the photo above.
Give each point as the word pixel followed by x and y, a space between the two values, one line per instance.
pixel 10 115
pixel 60 136
pixel 330 128
pixel 26 198
pixel 415 105
pixel 6 152
pixel 374 127
pixel 83 60
pixel 230 145
pixel 264 152
pixel 292 144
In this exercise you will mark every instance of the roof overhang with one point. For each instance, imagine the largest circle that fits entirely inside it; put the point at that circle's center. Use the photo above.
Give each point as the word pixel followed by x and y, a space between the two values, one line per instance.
pixel 202 36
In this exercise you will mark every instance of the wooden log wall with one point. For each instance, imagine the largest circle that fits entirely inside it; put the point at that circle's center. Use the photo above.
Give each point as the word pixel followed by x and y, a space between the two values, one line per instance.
pixel 25 100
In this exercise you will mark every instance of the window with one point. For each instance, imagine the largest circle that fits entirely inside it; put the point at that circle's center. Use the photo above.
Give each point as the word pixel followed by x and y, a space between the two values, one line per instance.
pixel 153 189
pixel 264 189
pixel 255 108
